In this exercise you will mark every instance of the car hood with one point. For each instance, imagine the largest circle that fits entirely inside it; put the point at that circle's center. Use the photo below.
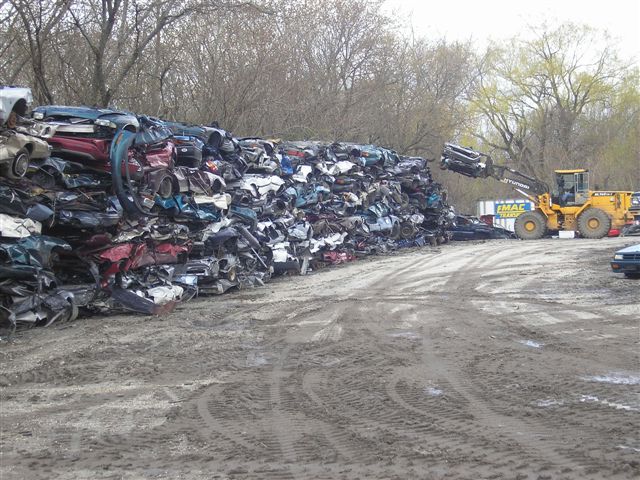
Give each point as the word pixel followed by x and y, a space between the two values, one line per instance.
pixel 61 112
pixel 631 249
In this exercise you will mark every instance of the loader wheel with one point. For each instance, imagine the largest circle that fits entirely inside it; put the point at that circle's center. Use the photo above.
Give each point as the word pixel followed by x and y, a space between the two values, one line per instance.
pixel 594 223
pixel 530 226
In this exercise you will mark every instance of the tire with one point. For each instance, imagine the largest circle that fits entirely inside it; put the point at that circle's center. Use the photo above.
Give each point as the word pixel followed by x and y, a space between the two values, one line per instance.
pixel 530 226
pixel 594 223
pixel 407 231
pixel 18 166
pixel 165 188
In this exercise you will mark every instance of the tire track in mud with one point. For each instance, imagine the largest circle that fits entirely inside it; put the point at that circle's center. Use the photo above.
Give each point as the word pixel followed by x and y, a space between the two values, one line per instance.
pixel 351 400
pixel 282 430
pixel 342 413
pixel 554 450
pixel 386 369
pixel 450 433
pixel 213 426
pixel 339 437
pixel 284 426
pixel 385 281
pixel 462 281
pixel 387 419
pixel 348 397
pixel 467 433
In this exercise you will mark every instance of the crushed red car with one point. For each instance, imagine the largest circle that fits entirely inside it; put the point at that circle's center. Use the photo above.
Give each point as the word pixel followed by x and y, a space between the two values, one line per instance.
pixel 85 135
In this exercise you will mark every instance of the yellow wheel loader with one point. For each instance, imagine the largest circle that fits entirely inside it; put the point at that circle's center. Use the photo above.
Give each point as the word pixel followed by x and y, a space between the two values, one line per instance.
pixel 572 206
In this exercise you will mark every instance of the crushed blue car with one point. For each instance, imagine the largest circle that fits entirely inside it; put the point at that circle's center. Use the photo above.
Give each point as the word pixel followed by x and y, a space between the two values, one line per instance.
pixel 86 121
pixel 627 261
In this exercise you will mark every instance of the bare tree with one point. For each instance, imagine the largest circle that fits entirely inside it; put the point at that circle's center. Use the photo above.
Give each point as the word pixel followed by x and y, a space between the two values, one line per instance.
pixel 117 32
pixel 38 18
pixel 535 96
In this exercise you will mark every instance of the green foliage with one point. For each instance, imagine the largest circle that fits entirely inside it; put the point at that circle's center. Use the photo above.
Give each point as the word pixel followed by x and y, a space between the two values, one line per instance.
pixel 560 100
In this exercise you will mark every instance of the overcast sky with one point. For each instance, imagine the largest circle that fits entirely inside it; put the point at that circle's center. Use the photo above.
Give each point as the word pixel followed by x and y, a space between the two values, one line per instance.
pixel 481 20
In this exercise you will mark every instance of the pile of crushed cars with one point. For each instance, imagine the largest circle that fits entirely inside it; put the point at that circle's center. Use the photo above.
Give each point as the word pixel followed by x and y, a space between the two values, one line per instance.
pixel 105 210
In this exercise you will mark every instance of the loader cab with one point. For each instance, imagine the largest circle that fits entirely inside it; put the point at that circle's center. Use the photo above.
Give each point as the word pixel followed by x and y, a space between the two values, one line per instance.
pixel 573 186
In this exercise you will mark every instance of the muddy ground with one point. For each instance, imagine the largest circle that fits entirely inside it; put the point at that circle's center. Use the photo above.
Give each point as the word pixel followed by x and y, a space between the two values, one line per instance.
pixel 504 359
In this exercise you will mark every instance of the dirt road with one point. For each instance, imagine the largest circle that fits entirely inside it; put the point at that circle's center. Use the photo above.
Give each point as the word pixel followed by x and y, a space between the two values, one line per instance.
pixel 505 359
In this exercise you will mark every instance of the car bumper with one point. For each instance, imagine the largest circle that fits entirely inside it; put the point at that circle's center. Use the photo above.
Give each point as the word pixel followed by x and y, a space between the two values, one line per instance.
pixel 622 266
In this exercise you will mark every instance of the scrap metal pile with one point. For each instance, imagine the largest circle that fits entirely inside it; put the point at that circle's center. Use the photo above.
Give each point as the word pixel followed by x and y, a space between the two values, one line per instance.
pixel 127 212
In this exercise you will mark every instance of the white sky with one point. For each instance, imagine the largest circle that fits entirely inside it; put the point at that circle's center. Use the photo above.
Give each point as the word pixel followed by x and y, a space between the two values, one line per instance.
pixel 482 20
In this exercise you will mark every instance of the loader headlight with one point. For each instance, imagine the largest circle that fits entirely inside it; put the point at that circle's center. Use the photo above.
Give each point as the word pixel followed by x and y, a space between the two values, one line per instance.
pixel 38 115
pixel 617 256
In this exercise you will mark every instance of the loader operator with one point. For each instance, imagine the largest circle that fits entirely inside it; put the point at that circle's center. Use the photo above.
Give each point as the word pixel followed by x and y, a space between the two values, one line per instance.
pixel 567 193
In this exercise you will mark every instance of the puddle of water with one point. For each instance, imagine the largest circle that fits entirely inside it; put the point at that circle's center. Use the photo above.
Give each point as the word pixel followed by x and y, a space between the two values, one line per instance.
pixel 531 343
pixel 624 447
pixel 433 391
pixel 409 335
pixel 256 359
pixel 549 402
pixel 589 398
pixel 617 406
pixel 331 362
pixel 616 379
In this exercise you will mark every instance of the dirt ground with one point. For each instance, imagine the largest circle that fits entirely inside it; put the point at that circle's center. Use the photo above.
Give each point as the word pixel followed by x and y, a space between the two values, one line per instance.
pixel 496 360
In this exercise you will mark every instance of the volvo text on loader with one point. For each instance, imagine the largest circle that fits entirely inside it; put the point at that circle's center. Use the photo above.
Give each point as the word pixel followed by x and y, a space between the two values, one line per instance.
pixel 573 208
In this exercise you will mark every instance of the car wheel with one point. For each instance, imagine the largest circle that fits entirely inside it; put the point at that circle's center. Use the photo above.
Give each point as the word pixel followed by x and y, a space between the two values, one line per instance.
pixel 165 188
pixel 18 166
pixel 407 231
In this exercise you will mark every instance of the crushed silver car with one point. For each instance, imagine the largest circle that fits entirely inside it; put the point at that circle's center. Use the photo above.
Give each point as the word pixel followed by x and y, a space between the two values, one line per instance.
pixel 19 142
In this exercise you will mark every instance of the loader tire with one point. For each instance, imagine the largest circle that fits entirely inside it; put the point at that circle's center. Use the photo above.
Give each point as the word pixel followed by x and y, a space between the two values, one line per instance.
pixel 530 226
pixel 594 223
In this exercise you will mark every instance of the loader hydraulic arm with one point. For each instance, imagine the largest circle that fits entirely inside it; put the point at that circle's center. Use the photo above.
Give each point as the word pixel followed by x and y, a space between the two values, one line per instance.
pixel 523 183
pixel 470 163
